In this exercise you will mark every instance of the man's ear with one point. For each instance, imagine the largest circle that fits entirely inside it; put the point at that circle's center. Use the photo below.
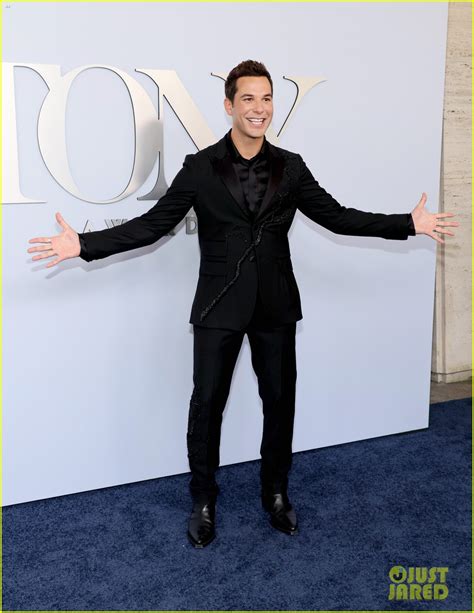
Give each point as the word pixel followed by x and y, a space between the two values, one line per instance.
pixel 228 106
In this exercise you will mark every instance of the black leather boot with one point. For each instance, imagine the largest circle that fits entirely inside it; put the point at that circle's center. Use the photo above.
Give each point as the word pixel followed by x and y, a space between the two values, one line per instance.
pixel 282 514
pixel 201 526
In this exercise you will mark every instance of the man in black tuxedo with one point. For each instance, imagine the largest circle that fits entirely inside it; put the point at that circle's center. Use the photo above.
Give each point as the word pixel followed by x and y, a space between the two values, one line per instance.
pixel 245 193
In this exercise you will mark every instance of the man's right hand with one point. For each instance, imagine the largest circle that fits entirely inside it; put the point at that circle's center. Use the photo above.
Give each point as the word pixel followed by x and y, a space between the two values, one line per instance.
pixel 63 246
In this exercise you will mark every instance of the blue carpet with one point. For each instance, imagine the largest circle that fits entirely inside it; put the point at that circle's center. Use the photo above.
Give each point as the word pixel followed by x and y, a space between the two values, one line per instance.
pixel 362 508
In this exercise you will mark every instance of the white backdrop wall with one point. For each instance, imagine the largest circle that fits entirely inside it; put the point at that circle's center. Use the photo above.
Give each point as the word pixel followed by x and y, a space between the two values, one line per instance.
pixel 96 386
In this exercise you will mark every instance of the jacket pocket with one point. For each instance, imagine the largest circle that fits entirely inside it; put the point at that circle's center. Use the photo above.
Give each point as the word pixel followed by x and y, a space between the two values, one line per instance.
pixel 213 258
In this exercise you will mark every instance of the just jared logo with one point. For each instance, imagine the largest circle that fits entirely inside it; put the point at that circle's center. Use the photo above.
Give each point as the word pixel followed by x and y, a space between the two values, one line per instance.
pixel 418 583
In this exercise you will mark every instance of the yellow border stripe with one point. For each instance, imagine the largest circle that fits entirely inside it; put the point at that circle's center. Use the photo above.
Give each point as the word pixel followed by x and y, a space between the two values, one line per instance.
pixel 241 1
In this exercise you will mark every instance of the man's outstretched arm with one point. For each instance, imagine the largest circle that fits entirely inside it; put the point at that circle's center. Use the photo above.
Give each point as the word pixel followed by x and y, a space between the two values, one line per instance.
pixel 317 204
pixel 138 232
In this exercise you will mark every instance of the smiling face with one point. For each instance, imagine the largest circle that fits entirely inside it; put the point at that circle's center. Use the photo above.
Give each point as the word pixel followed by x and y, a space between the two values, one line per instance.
pixel 252 108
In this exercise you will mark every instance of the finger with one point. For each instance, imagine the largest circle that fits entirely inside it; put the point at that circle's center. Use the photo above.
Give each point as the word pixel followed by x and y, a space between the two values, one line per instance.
pixel 53 263
pixel 440 215
pixel 61 222
pixel 437 238
pixel 441 231
pixel 43 239
pixel 40 248
pixel 423 199
pixel 48 254
pixel 447 223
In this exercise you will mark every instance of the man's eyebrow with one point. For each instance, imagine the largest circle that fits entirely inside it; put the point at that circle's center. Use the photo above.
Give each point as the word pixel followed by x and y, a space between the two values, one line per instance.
pixel 252 95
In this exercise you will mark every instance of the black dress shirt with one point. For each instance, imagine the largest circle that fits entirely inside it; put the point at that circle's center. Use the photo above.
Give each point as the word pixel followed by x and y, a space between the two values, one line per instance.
pixel 253 173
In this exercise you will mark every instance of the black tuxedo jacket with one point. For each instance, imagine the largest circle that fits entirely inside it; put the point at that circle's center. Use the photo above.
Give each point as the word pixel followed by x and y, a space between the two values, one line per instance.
pixel 240 254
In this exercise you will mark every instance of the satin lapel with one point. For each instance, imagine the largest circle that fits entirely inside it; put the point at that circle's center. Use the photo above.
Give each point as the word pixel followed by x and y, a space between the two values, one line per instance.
pixel 225 169
pixel 277 165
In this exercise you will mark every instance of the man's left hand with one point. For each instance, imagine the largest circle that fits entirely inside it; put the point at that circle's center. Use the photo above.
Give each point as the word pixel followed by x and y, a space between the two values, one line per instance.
pixel 428 223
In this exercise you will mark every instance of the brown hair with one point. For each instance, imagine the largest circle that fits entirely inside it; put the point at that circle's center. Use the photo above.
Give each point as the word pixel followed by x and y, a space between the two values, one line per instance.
pixel 248 68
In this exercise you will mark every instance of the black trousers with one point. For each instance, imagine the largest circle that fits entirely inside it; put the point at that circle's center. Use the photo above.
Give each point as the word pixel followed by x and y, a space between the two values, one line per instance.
pixel 274 363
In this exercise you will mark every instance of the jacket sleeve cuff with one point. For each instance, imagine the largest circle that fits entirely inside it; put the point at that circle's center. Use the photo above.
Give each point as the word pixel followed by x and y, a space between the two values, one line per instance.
pixel 411 225
pixel 83 254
